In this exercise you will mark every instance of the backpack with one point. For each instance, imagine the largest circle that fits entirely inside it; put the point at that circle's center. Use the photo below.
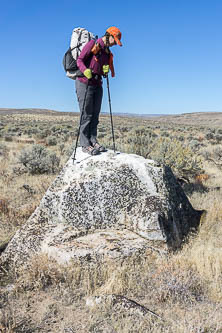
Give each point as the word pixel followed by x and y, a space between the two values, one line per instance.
pixel 80 37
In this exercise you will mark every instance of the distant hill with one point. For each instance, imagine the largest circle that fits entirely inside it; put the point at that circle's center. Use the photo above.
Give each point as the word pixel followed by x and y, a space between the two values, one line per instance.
pixel 32 111
pixel 48 112
pixel 5 111
pixel 194 118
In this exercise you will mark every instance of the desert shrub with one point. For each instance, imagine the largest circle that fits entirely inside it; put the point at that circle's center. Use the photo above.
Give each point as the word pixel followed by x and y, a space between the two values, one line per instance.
pixel 70 149
pixel 206 154
pixel 31 131
pixel 190 137
pixel 8 138
pixel 218 138
pixel 184 286
pixel 73 134
pixel 56 129
pixel 194 144
pixel 164 133
pixel 13 129
pixel 181 138
pixel 65 131
pixel 214 155
pixel 124 129
pixel 219 131
pixel 42 134
pixel 103 129
pixel 101 135
pixel 217 153
pixel 176 155
pixel 153 135
pixel 212 130
pixel 139 141
pixel 4 206
pixel 62 148
pixel 209 136
pixel 51 141
pixel 65 138
pixel 3 150
pixel 39 160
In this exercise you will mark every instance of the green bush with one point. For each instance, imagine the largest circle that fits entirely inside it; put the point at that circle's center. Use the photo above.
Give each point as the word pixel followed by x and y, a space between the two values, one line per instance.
pixel 51 141
pixel 217 154
pixel 101 135
pixel 39 160
pixel 166 134
pixel 69 151
pixel 124 129
pixel 8 138
pixel 219 131
pixel 181 138
pixel 3 150
pixel 62 148
pixel 56 129
pixel 194 144
pixel 176 155
pixel 66 137
pixel 209 136
pixel 218 138
pixel 139 141
pixel 42 134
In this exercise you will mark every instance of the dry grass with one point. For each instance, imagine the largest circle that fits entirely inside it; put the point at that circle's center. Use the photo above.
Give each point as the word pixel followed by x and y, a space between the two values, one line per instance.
pixel 184 289
pixel 171 287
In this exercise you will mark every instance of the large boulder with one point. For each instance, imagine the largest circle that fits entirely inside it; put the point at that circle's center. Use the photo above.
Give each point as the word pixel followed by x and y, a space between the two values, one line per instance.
pixel 111 205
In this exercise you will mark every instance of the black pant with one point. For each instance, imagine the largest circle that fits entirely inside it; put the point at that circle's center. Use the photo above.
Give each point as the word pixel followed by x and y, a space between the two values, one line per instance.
pixel 90 114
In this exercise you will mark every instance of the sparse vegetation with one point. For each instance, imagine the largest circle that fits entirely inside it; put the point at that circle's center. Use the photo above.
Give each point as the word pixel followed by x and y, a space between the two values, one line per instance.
pixel 39 160
pixel 183 289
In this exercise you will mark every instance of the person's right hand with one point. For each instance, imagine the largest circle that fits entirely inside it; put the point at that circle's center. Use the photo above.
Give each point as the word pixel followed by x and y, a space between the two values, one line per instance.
pixel 88 73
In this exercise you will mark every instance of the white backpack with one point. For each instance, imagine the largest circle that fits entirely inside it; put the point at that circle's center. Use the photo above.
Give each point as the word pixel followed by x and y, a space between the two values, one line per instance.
pixel 80 37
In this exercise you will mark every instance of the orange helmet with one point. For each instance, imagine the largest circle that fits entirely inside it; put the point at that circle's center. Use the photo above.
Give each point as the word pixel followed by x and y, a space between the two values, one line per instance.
pixel 115 32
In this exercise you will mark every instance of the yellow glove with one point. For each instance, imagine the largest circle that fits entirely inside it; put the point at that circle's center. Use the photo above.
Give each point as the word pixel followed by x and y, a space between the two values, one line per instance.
pixel 88 73
pixel 105 69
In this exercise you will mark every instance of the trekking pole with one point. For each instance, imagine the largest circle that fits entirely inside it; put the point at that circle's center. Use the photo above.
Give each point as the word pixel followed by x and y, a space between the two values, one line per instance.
pixel 83 107
pixel 110 109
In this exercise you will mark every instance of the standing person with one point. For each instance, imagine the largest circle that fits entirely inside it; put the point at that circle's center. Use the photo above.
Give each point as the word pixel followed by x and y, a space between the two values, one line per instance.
pixel 94 61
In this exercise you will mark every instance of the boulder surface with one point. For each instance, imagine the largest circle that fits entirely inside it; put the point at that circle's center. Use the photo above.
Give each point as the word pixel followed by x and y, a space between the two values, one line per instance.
pixel 113 204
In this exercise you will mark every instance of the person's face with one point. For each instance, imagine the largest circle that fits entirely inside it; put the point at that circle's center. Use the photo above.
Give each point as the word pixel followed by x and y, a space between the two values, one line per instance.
pixel 111 41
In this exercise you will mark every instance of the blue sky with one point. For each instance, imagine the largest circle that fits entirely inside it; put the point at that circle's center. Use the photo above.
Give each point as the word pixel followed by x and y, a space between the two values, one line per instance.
pixel 170 62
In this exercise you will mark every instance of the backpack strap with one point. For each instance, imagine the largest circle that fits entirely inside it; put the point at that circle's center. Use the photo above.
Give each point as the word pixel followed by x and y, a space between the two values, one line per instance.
pixel 79 44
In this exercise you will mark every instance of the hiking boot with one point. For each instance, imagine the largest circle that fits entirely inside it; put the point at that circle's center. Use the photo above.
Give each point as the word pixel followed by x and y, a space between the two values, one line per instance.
pixel 100 148
pixel 90 150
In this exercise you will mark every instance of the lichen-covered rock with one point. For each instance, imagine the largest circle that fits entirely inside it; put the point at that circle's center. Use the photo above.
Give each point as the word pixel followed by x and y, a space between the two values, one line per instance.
pixel 123 197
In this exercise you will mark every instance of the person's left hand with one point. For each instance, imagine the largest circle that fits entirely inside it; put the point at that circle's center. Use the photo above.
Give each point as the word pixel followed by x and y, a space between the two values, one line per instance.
pixel 88 73
pixel 105 69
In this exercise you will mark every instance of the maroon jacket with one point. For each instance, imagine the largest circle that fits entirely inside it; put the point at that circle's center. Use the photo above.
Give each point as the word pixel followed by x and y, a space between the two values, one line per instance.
pixel 87 59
